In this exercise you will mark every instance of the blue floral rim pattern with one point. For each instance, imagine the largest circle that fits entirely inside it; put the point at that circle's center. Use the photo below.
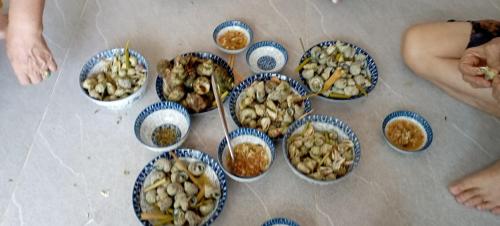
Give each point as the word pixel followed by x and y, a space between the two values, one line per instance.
pixel 301 90
pixel 267 67
pixel 342 126
pixel 415 116
pixel 156 107
pixel 106 54
pixel 232 23
pixel 203 55
pixel 247 131
pixel 370 62
pixel 181 153
pixel 280 221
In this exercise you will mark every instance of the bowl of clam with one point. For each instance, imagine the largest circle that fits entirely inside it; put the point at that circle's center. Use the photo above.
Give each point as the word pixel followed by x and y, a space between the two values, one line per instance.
pixel 269 102
pixel 338 71
pixel 115 78
pixel 182 187
pixel 321 149
pixel 186 80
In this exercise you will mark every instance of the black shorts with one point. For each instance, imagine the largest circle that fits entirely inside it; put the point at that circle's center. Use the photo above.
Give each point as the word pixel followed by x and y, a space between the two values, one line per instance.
pixel 482 31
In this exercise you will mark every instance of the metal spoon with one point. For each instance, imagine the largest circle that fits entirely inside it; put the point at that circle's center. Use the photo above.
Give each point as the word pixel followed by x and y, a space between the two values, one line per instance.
pixel 215 89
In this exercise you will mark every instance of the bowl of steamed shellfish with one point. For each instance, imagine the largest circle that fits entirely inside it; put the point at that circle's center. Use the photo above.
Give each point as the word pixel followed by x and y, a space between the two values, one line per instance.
pixel 321 149
pixel 186 80
pixel 182 187
pixel 253 155
pixel 269 102
pixel 115 78
pixel 162 126
pixel 338 71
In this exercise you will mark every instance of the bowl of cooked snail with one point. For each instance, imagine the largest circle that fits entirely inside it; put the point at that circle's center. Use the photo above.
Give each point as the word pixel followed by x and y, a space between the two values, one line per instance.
pixel 253 155
pixel 269 102
pixel 115 78
pixel 162 126
pixel 182 187
pixel 321 149
pixel 186 80
pixel 338 71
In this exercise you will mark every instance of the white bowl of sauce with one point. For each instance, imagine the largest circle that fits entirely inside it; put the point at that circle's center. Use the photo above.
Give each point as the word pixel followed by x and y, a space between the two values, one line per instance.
pixel 407 132
pixel 232 36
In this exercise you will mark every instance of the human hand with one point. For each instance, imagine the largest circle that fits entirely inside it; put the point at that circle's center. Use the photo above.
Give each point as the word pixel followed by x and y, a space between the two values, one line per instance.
pixel 29 55
pixel 473 58
pixel 496 88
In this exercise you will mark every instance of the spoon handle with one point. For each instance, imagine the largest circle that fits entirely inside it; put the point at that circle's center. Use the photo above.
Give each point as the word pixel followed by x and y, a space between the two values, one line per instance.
pixel 215 89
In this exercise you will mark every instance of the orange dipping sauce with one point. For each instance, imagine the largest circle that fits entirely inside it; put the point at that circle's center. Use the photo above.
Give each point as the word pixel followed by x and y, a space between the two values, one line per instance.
pixel 405 135
pixel 233 40
pixel 249 160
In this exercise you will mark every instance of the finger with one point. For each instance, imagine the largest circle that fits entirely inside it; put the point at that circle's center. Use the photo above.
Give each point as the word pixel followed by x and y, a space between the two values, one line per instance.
pixel 21 73
pixel 477 81
pixel 33 71
pixel 51 63
pixel 470 69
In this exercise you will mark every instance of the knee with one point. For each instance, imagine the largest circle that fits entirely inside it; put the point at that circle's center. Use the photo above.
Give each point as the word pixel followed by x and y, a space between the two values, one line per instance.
pixel 413 49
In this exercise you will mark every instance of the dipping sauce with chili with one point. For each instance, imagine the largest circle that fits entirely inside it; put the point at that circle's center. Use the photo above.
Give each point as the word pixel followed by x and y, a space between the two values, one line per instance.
pixel 405 135
pixel 233 40
pixel 249 160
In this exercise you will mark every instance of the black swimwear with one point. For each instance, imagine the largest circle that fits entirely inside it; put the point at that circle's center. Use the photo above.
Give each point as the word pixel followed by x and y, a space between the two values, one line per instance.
pixel 482 31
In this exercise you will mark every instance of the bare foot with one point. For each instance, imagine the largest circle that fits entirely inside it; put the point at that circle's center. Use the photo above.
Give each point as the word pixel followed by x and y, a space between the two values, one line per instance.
pixel 480 190
pixel 3 26
pixel 29 55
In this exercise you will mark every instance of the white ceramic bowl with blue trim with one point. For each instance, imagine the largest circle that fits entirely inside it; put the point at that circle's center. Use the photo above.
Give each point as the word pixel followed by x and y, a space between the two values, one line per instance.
pixel 232 25
pixel 372 67
pixel 202 55
pixel 213 172
pixel 280 221
pixel 418 120
pixel 162 115
pixel 266 56
pixel 323 123
pixel 95 64
pixel 246 135
pixel 234 99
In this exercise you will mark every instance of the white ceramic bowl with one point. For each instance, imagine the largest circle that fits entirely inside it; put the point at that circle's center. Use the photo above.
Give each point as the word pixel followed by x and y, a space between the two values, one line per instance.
pixel 231 25
pixel 161 115
pixel 415 118
pixel 245 135
pixel 95 65
pixel 266 56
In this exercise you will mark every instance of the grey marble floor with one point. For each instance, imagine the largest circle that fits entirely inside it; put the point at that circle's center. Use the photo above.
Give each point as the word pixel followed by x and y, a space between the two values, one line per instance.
pixel 60 153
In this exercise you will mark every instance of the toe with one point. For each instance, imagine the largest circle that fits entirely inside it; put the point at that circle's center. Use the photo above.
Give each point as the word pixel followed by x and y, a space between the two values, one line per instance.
pixel 486 206
pixel 466 195
pixel 474 201
pixel 496 210
pixel 459 187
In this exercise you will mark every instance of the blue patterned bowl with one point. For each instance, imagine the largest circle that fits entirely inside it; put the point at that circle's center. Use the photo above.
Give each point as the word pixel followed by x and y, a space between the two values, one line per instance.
pixel 372 67
pixel 328 123
pixel 415 118
pixel 232 25
pixel 280 222
pixel 162 115
pixel 203 55
pixel 95 65
pixel 213 172
pixel 235 95
pixel 266 56
pixel 245 135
